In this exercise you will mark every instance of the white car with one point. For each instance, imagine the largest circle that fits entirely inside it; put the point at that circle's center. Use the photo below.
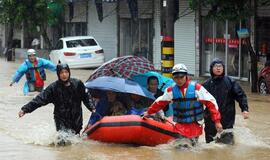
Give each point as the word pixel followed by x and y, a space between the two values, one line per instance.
pixel 78 52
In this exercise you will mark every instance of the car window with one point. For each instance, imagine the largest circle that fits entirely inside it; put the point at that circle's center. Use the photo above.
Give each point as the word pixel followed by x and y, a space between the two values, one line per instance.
pixel 81 43
pixel 59 45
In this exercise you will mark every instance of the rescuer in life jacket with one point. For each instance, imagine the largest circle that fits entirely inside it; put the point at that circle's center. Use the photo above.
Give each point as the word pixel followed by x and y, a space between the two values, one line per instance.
pixel 188 98
pixel 34 69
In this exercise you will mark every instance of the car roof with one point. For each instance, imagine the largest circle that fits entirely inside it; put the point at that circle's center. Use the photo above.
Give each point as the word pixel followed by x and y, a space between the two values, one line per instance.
pixel 76 37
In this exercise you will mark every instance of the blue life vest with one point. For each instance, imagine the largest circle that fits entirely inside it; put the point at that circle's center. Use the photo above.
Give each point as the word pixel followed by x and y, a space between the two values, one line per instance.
pixel 186 109
pixel 30 74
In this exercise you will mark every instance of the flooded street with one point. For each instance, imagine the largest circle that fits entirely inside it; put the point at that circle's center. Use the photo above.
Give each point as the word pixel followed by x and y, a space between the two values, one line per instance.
pixel 32 136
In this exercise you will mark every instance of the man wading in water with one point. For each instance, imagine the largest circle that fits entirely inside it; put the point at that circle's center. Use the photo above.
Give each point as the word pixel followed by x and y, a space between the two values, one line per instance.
pixel 66 94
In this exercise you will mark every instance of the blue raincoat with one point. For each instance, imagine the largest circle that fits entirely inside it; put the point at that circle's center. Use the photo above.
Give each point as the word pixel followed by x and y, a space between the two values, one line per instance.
pixel 28 69
pixel 101 111
pixel 163 82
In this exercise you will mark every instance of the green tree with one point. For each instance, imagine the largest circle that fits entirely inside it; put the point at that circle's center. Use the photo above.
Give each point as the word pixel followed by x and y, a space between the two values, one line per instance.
pixel 41 14
pixel 234 10
pixel 10 15
pixel 35 15
pixel 224 9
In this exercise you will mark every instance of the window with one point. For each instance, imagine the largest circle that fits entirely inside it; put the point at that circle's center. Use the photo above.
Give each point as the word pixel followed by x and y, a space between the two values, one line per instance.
pixel 135 37
pixel 81 43
pixel 263 36
pixel 214 45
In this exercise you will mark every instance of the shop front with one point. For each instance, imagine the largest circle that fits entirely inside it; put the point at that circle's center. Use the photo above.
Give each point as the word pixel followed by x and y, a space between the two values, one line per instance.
pixel 220 40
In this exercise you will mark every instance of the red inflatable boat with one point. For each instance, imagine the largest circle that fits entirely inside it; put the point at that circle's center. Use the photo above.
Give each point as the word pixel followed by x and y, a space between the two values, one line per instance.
pixel 132 129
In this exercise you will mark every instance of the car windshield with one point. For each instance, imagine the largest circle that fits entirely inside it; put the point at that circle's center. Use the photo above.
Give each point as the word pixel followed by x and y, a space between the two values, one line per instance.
pixel 81 43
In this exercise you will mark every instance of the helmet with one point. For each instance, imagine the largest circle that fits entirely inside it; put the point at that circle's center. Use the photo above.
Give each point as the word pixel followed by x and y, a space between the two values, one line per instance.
pixel 179 69
pixel 30 52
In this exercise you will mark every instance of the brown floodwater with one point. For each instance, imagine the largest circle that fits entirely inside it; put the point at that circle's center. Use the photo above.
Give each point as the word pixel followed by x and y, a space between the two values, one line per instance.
pixel 32 136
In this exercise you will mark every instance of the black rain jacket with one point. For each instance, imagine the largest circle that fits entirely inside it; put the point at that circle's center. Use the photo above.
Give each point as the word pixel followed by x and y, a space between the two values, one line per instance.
pixel 226 91
pixel 67 103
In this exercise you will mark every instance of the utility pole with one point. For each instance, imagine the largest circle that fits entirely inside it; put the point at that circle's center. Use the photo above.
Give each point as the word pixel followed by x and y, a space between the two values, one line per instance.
pixel 167 33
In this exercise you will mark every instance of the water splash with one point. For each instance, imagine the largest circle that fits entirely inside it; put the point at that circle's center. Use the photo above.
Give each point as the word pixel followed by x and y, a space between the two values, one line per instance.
pixel 245 136
pixel 65 138
pixel 41 134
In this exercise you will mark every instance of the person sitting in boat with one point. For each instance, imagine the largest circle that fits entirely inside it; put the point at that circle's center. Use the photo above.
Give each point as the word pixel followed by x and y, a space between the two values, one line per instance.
pixel 108 105
pixel 115 106
pixel 188 98
pixel 137 104
pixel 34 69
pixel 95 96
pixel 152 86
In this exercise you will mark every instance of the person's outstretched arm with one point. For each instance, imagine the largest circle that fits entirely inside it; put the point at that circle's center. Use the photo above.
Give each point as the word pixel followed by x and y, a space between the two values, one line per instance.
pixel 161 102
pixel 19 73
pixel 42 99
pixel 48 64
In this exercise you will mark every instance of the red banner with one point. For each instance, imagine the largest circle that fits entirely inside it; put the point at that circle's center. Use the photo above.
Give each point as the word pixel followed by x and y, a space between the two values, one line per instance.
pixel 222 41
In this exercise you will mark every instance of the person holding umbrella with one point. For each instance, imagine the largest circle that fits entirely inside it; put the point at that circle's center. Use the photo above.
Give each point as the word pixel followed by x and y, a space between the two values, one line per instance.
pixel 108 104
pixel 107 88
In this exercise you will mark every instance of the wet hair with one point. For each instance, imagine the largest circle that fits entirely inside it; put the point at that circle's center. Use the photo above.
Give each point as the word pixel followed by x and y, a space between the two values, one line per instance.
pixel 151 78
pixel 216 61
pixel 60 67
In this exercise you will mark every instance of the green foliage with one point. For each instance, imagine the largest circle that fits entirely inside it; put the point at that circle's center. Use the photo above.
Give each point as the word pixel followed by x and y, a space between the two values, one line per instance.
pixel 55 9
pixel 227 9
pixel 33 12
pixel 9 11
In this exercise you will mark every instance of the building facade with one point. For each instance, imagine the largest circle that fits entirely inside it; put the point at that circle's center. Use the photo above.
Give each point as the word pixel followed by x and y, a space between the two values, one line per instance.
pixel 197 40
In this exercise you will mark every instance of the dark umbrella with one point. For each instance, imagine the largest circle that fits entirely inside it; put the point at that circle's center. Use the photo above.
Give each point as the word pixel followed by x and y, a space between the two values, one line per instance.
pixel 125 67
pixel 118 85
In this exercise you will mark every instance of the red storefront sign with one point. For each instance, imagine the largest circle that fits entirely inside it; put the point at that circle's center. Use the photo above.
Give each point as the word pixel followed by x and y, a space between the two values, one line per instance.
pixel 231 42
